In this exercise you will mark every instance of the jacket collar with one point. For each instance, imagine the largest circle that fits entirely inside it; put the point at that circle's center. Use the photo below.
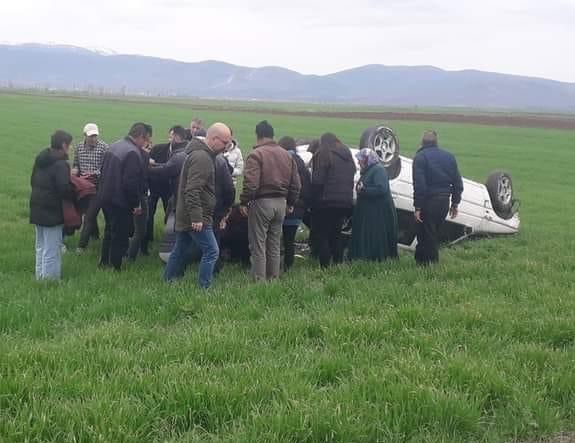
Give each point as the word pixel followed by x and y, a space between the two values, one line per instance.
pixel 265 142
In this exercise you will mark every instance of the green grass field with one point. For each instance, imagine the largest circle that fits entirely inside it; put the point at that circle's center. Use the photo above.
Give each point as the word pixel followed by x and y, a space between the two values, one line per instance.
pixel 478 349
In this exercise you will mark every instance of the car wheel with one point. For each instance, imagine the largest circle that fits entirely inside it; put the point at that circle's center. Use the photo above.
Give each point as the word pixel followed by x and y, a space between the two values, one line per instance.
pixel 500 188
pixel 384 142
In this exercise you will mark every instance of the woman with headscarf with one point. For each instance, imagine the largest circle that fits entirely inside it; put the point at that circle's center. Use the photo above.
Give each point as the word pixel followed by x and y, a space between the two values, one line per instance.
pixel 374 234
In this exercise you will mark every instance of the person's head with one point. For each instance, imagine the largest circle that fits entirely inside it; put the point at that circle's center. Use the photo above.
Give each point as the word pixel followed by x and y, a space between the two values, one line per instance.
pixel 141 134
pixel 218 137
pixel 91 133
pixel 177 134
pixel 367 157
pixel 429 138
pixel 195 125
pixel 61 141
pixel 287 142
pixel 313 146
pixel 264 130
pixel 328 142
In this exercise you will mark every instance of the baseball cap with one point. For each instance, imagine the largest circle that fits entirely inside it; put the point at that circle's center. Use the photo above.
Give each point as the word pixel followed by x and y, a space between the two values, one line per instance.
pixel 91 129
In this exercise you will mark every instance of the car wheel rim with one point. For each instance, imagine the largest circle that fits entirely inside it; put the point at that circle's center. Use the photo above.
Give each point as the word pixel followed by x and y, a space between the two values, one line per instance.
pixel 504 190
pixel 384 146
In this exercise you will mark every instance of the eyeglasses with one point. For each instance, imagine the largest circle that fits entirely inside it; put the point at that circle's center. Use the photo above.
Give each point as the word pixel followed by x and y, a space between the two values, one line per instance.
pixel 227 143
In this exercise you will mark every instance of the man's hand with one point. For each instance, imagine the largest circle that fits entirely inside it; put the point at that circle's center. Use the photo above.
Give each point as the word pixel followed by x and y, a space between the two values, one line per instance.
pixel 137 211
pixel 74 171
pixel 197 226
pixel 152 162
pixel 290 209
pixel 418 216
pixel 244 210
pixel 223 223
pixel 453 212
pixel 359 186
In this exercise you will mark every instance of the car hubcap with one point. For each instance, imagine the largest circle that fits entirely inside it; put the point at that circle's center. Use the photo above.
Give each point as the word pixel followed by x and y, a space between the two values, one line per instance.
pixel 504 190
pixel 384 146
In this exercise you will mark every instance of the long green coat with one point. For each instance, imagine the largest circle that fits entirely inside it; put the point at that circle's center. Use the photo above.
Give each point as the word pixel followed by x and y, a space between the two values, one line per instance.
pixel 374 226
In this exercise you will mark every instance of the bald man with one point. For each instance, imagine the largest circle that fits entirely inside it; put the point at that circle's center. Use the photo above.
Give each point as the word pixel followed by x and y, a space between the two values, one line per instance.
pixel 195 202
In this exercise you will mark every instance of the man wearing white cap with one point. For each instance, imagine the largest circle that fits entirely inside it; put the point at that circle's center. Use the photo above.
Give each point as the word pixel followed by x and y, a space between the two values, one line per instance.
pixel 88 158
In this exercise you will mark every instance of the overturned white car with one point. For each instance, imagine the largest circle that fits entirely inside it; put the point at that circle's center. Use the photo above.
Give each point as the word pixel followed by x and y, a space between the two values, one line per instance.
pixel 485 209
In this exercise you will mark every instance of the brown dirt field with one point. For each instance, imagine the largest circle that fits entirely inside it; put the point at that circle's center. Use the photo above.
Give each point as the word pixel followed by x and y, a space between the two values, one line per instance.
pixel 515 120
pixel 520 120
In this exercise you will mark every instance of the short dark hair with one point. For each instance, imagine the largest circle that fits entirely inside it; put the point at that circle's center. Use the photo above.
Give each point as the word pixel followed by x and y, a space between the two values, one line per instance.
pixel 140 130
pixel 264 130
pixel 287 142
pixel 59 139
pixel 179 130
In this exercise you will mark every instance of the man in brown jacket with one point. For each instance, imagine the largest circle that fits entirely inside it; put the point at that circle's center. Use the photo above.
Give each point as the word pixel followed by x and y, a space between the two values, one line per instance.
pixel 195 203
pixel 271 186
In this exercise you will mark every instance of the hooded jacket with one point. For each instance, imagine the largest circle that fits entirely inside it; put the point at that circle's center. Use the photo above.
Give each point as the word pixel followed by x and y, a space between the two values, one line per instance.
pixel 196 196
pixel 50 183
pixel 332 178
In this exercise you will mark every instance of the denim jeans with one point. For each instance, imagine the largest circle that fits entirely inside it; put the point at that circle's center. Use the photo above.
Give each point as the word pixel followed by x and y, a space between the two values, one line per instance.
pixel 48 252
pixel 181 255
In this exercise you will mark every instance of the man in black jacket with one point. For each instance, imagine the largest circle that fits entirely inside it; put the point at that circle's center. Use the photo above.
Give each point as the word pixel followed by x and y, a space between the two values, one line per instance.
pixel 122 183
pixel 166 163
pixel 436 178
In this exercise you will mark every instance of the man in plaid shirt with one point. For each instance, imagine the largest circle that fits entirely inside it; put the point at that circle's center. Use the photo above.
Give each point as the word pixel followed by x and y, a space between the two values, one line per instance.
pixel 88 158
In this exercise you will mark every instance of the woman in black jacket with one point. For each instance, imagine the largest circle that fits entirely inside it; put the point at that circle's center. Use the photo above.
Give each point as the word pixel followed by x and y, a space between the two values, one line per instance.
pixel 332 196
pixel 50 186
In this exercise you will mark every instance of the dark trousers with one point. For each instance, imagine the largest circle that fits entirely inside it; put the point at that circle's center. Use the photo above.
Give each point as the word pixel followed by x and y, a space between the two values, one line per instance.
pixel 90 223
pixel 434 211
pixel 289 233
pixel 119 223
pixel 139 241
pixel 327 224
pixel 153 199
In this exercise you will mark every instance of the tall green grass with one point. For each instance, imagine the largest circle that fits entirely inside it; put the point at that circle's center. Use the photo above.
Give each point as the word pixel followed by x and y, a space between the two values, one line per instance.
pixel 480 348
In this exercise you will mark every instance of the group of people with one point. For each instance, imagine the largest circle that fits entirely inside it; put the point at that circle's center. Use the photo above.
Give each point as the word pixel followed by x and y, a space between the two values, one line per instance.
pixel 195 176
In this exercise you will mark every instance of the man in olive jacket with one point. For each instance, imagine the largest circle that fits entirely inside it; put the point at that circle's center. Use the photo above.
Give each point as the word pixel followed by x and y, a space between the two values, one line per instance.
pixel 195 202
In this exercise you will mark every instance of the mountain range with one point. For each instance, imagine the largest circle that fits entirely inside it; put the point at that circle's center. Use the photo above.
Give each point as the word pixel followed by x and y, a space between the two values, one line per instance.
pixel 73 68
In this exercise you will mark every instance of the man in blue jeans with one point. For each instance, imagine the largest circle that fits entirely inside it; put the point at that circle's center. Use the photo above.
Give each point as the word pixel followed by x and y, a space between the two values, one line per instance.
pixel 195 202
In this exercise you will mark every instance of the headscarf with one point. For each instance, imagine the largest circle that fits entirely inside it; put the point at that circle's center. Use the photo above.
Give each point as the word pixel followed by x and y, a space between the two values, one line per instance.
pixel 367 156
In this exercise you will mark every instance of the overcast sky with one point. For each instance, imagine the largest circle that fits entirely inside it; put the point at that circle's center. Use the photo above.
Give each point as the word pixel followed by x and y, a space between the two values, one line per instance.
pixel 527 37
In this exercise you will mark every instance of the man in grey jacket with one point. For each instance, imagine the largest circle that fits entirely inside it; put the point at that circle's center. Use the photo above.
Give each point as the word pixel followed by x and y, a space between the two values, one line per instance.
pixel 195 202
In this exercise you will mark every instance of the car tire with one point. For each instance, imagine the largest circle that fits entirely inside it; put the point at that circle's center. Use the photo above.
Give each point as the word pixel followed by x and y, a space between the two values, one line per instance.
pixel 385 143
pixel 500 188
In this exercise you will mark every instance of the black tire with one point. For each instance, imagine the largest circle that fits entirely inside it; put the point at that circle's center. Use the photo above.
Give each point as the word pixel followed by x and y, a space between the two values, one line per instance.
pixel 500 188
pixel 385 143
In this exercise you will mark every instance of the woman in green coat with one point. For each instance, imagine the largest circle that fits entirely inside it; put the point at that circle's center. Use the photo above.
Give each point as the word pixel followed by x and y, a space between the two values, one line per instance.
pixel 374 234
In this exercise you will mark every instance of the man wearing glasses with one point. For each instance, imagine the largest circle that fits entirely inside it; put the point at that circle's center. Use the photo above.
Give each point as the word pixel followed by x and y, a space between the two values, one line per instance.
pixel 195 202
